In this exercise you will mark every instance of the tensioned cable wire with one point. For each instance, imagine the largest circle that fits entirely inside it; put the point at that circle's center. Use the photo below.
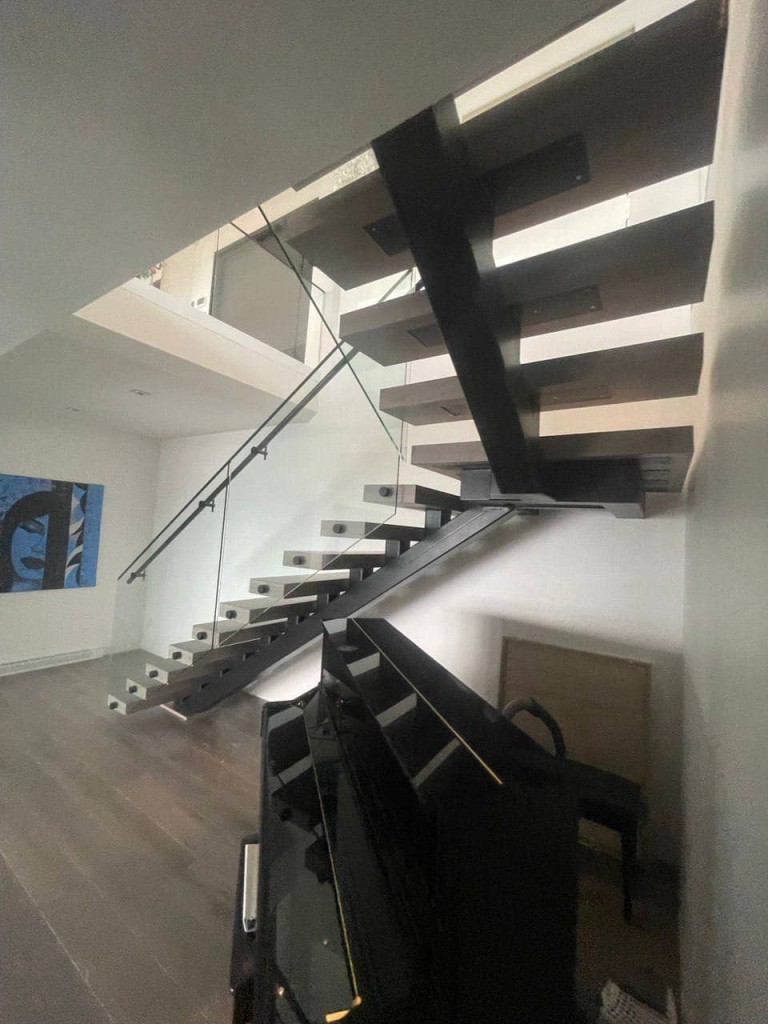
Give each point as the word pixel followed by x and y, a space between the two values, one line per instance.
pixel 310 296
pixel 286 401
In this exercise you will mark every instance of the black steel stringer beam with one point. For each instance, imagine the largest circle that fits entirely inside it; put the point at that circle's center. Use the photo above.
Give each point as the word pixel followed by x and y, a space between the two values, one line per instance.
pixel 464 527
pixel 447 216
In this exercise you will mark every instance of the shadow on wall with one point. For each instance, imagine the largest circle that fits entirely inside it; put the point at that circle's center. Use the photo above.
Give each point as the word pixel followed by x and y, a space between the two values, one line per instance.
pixel 459 616
pixel 662 791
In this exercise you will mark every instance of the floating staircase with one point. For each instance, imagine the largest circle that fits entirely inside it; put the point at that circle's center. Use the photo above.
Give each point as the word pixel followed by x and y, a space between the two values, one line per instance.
pixel 288 612
pixel 632 115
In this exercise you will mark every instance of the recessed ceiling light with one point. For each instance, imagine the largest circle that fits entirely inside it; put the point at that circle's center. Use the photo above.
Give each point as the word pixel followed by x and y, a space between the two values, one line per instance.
pixel 138 391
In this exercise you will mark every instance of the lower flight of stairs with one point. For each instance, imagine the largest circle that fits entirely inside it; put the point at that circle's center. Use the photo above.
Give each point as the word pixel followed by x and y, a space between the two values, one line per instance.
pixel 287 612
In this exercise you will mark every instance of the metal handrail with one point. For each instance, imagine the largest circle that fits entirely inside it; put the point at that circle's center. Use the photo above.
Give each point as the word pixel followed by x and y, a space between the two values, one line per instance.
pixel 231 474
pixel 208 500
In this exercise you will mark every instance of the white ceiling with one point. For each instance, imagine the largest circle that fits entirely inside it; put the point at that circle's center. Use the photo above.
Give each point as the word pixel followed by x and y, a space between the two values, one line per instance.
pixel 132 129
pixel 93 370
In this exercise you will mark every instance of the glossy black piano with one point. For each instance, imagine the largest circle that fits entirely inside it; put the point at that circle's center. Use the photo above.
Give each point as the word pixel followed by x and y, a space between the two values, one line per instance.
pixel 416 859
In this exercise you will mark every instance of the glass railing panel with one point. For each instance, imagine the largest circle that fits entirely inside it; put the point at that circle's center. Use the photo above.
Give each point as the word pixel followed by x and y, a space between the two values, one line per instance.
pixel 302 514
pixel 169 589
pixel 307 463
pixel 287 501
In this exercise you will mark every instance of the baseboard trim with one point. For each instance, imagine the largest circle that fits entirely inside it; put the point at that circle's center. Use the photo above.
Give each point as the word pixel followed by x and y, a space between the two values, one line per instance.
pixel 12 668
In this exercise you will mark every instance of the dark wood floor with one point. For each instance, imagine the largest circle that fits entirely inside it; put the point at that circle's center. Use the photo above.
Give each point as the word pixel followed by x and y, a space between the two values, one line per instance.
pixel 642 955
pixel 119 842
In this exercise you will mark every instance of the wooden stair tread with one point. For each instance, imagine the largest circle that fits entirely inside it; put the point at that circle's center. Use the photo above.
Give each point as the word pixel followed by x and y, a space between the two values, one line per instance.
pixel 167 670
pixel 370 531
pixel 157 663
pixel 142 687
pixel 340 559
pixel 191 652
pixel 300 585
pixel 633 373
pixel 664 453
pixel 253 609
pixel 671 70
pixel 412 496
pixel 164 669
pixel 155 696
pixel 657 264
pixel 665 79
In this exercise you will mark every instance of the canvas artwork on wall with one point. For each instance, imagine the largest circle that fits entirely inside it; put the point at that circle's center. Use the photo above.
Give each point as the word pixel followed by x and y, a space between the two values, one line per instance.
pixel 49 533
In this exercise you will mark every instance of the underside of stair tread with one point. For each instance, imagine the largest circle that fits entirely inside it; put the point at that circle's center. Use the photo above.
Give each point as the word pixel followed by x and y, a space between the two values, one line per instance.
pixel 671 70
pixel 196 652
pixel 163 669
pixel 300 585
pixel 412 496
pixel 369 531
pixel 657 264
pixel 143 687
pixel 664 453
pixel 166 670
pixel 667 368
pixel 330 559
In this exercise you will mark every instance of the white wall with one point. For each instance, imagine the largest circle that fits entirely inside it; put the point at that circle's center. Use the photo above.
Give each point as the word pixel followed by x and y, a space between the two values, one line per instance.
pixel 64 446
pixel 725 924
pixel 581 579
pixel 314 470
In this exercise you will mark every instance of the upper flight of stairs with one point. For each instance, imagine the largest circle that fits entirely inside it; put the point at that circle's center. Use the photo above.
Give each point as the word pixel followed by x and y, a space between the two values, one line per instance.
pixel 637 112
pixel 662 453
pixel 632 115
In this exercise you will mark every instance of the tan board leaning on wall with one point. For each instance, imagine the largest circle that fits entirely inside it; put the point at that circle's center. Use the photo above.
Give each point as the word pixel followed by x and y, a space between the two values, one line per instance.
pixel 600 702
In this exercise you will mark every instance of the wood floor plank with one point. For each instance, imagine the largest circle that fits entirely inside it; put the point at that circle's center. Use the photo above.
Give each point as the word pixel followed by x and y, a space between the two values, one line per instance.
pixel 38 980
pixel 107 928
pixel 125 836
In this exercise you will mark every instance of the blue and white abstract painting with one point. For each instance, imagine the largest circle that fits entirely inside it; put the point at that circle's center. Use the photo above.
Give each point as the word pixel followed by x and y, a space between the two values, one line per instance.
pixel 49 533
